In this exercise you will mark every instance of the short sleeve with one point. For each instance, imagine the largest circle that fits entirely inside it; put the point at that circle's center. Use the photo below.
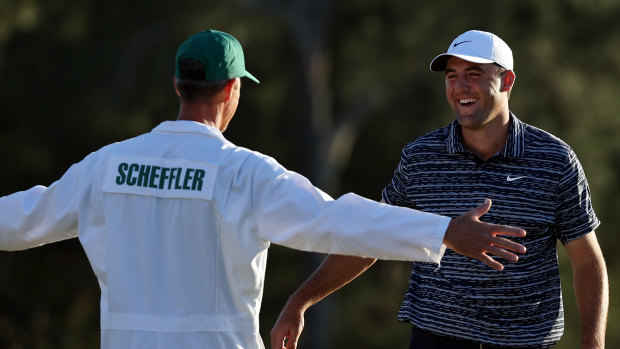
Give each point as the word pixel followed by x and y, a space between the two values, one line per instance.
pixel 575 215
pixel 395 193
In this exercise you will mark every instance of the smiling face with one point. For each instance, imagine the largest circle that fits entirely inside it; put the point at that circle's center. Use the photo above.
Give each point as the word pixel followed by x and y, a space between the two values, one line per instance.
pixel 476 93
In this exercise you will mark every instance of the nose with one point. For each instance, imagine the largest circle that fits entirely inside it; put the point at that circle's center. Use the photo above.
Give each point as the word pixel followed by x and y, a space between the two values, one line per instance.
pixel 460 84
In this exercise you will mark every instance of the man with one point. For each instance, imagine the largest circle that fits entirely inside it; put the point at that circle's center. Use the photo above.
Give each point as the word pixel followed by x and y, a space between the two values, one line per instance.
pixel 536 182
pixel 176 223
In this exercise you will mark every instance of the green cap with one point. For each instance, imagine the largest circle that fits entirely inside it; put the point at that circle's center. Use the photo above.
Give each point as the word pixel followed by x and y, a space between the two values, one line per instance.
pixel 219 52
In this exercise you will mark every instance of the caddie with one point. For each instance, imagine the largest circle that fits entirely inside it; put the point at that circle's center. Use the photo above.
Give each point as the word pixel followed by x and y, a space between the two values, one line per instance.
pixel 176 223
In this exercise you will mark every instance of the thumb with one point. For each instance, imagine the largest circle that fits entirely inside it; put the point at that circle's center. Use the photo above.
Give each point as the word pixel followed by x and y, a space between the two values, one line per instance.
pixel 482 209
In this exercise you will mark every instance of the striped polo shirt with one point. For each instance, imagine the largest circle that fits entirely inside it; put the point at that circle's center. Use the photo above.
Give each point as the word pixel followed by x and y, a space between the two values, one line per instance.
pixel 537 183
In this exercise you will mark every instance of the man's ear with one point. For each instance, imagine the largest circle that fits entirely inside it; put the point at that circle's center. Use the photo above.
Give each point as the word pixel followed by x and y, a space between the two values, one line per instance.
pixel 508 80
pixel 228 88
pixel 174 83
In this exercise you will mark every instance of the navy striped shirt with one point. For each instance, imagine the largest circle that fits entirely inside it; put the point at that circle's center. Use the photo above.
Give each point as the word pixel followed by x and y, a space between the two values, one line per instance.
pixel 536 183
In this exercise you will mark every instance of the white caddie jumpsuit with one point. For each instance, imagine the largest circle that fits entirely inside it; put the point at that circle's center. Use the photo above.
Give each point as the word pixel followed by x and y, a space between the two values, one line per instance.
pixel 176 224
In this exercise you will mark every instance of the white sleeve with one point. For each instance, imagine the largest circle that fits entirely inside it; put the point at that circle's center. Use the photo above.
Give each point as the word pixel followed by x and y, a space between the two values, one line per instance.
pixel 41 215
pixel 290 211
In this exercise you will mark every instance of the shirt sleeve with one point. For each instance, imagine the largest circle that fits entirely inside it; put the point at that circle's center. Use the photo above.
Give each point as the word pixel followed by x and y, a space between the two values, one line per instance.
pixel 575 214
pixel 396 191
pixel 290 211
pixel 41 215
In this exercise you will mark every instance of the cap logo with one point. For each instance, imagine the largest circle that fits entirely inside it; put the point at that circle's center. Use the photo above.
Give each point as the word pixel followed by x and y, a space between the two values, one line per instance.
pixel 462 42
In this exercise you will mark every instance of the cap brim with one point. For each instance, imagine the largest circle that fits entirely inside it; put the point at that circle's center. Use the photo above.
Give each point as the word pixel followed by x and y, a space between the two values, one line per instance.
pixel 439 62
pixel 251 77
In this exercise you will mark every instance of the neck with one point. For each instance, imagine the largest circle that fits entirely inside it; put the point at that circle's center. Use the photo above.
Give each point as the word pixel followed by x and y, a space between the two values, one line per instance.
pixel 486 141
pixel 207 114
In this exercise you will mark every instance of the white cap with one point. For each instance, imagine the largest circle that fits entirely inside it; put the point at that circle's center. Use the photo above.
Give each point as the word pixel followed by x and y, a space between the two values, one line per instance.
pixel 478 47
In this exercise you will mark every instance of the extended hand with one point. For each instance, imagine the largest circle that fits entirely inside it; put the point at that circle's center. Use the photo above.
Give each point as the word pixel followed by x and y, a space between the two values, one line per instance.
pixel 468 236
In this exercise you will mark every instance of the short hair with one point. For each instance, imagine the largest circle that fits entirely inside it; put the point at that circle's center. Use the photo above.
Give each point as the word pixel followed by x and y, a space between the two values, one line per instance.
pixel 192 84
pixel 499 71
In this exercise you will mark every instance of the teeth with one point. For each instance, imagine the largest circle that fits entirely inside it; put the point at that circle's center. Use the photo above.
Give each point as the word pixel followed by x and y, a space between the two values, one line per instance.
pixel 467 100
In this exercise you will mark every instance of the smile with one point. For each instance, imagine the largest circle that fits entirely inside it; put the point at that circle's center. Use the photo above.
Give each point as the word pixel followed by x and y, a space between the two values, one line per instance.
pixel 465 101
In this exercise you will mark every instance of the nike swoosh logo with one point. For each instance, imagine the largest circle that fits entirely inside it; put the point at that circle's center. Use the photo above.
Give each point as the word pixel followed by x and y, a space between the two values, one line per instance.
pixel 512 179
pixel 462 42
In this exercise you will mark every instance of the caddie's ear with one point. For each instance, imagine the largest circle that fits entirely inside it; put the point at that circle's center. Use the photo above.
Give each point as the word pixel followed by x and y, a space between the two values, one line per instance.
pixel 174 83
pixel 508 80
pixel 229 88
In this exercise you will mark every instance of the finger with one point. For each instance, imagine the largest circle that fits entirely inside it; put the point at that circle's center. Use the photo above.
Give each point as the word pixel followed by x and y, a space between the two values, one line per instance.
pixel 277 343
pixel 508 230
pixel 490 262
pixel 292 338
pixel 482 209
pixel 292 342
pixel 509 245
pixel 501 253
pixel 278 339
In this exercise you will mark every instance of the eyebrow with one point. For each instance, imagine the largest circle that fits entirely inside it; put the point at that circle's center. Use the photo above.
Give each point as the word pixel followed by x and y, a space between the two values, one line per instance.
pixel 472 68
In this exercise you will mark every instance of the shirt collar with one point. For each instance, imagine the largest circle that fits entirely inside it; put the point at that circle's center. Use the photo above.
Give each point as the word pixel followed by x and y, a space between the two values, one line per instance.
pixel 515 143
pixel 185 126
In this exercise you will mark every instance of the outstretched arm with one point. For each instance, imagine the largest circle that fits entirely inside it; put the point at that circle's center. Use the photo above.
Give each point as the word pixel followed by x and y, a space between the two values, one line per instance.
pixel 466 235
pixel 335 272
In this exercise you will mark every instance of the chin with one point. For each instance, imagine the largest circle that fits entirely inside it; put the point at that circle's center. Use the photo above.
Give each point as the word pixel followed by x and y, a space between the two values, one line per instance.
pixel 469 122
pixel 466 119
